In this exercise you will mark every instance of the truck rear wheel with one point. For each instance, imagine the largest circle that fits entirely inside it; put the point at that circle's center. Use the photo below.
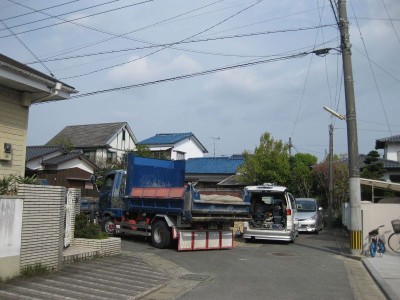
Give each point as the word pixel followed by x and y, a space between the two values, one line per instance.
pixel 160 235
pixel 108 225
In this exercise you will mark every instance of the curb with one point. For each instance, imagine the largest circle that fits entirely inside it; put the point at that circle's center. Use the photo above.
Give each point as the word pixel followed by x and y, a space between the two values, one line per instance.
pixel 385 288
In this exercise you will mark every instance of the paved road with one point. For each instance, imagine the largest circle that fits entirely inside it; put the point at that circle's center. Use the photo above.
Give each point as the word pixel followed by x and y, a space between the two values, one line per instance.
pixel 308 269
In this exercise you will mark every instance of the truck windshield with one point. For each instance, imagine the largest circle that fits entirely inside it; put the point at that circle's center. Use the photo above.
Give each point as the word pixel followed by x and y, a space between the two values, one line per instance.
pixel 303 206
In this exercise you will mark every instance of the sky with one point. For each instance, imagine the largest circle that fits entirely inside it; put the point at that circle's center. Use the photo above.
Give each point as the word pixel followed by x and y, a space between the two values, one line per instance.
pixel 227 71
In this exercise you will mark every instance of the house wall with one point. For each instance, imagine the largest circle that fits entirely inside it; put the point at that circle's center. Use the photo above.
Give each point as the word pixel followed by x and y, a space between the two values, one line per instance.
pixel 13 130
pixel 10 236
pixel 63 177
pixel 190 148
pixel 36 163
pixel 123 145
pixel 391 152
pixel 76 163
pixel 374 215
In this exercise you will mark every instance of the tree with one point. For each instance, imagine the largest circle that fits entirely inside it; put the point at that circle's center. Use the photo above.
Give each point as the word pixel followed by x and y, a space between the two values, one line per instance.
pixel 62 141
pixel 340 183
pixel 269 163
pixel 373 169
pixel 301 174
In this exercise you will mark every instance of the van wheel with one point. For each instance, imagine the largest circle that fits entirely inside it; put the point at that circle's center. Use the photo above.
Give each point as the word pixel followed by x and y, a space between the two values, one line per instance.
pixel 160 235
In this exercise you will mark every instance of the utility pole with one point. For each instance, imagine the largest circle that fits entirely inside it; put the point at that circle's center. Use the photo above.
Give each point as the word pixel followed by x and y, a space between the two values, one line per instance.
pixel 214 139
pixel 290 146
pixel 352 141
pixel 330 197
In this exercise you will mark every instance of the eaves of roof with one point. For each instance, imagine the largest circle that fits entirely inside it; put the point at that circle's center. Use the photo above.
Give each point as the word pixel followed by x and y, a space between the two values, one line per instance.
pixel 33 152
pixel 380 143
pixel 55 161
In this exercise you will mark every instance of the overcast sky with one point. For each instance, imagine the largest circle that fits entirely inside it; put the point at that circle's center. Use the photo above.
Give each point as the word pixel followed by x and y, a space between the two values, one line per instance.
pixel 100 45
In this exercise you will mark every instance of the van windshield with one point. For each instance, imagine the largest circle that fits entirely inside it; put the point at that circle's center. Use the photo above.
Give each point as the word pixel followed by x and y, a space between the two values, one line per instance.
pixel 306 205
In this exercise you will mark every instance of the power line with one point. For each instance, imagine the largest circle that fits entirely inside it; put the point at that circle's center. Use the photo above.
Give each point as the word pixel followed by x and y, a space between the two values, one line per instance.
pixel 79 18
pixel 391 21
pixel 299 55
pixel 39 10
pixel 114 36
pixel 186 42
pixel 372 70
pixel 26 47
pixel 156 51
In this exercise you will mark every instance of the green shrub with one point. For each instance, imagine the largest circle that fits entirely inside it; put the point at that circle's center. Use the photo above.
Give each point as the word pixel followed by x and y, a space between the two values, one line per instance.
pixel 85 229
pixel 33 270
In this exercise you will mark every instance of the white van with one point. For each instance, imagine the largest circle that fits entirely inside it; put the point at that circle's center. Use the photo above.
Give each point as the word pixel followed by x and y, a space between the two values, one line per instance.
pixel 272 209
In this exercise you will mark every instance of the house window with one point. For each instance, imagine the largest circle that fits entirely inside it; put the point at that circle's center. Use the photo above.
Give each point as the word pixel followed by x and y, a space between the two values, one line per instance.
pixel 91 155
pixel 394 178
pixel 123 135
pixel 398 155
pixel 111 157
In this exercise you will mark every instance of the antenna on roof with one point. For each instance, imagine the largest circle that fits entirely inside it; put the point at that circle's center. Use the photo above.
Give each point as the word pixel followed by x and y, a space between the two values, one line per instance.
pixel 214 139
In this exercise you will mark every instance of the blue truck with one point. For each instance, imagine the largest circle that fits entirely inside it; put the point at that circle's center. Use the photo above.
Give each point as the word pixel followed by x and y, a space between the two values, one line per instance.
pixel 150 198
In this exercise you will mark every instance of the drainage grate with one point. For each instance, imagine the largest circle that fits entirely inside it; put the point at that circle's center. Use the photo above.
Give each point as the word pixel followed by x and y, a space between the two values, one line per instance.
pixel 196 277
pixel 281 254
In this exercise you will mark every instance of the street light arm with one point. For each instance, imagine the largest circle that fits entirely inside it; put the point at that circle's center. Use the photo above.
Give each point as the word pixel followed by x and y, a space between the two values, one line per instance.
pixel 334 113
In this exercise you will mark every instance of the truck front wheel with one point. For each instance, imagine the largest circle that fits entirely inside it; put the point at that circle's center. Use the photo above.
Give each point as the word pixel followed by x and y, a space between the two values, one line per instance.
pixel 108 225
pixel 160 234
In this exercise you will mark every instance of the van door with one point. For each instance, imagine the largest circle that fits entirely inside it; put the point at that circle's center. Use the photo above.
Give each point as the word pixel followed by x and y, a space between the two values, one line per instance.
pixel 293 207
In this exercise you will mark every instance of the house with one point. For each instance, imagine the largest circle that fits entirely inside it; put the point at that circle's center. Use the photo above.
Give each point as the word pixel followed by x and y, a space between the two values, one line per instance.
pixel 175 145
pixel 392 168
pixel 391 156
pixel 214 173
pixel 20 87
pixel 56 166
pixel 101 143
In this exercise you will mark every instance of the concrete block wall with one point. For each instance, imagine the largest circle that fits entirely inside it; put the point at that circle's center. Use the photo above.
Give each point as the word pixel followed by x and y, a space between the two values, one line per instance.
pixel 42 237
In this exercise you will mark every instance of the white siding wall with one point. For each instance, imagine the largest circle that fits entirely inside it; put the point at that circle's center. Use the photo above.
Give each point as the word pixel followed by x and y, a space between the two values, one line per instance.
pixel 36 164
pixel 189 147
pixel 391 152
pixel 13 129
pixel 75 163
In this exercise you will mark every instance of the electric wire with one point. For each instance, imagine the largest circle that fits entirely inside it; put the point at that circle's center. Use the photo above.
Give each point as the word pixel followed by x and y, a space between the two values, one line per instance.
pixel 80 18
pixel 391 21
pixel 114 35
pixel 27 48
pixel 165 47
pixel 51 17
pixel 186 42
pixel 196 74
pixel 39 10
pixel 371 68
pixel 307 75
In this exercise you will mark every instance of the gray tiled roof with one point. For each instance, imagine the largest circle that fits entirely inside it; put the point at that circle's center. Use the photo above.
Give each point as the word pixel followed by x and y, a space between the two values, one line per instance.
pixel 92 135
pixel 33 152
pixel 380 143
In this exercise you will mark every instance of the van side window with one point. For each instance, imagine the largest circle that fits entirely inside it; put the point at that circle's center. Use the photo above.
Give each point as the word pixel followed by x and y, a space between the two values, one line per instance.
pixel 292 201
pixel 108 182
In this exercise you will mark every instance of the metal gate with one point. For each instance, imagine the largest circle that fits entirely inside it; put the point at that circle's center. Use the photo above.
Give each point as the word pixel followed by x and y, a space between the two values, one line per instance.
pixel 68 219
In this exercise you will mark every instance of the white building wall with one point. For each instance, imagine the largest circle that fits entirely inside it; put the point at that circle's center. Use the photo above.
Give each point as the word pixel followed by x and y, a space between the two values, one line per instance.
pixel 11 210
pixel 391 152
pixel 190 148
pixel 36 164
pixel 75 163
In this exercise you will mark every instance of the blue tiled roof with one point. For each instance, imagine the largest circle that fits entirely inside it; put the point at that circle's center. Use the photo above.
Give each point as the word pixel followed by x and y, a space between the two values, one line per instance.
pixel 166 138
pixel 213 165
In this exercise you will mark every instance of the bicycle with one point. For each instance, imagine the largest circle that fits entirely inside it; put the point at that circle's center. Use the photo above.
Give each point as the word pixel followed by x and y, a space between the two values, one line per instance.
pixel 394 238
pixel 377 242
